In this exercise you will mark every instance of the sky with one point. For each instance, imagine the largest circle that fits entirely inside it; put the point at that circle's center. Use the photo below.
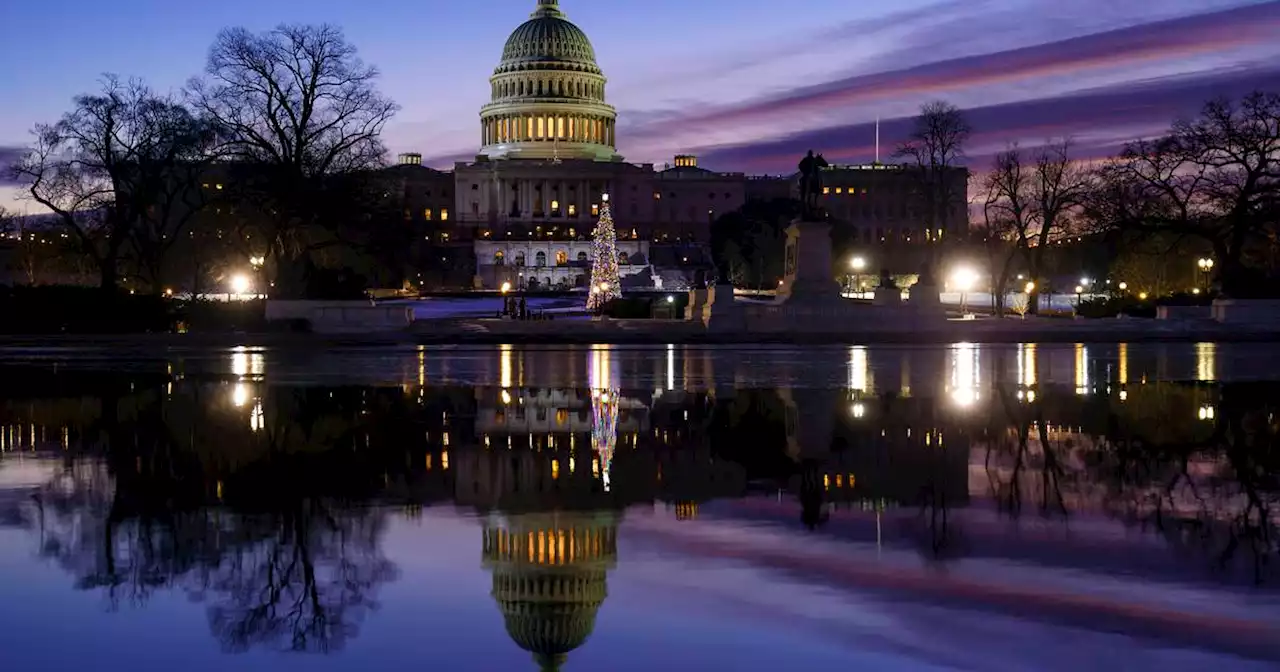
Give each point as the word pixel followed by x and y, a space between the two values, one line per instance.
pixel 747 85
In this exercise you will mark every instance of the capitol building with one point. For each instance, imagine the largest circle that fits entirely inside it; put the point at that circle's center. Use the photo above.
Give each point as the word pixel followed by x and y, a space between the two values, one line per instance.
pixel 522 212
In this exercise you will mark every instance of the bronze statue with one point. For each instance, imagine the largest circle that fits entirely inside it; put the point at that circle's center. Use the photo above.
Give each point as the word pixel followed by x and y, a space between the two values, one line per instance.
pixel 811 184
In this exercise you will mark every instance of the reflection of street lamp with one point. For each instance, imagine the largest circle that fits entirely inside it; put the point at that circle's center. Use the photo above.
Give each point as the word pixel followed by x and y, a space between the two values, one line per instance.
pixel 964 278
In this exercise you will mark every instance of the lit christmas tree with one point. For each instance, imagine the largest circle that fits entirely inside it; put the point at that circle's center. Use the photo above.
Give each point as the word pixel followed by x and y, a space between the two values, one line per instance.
pixel 605 285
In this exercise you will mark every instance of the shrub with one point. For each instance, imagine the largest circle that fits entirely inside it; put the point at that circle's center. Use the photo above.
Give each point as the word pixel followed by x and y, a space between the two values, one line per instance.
pixel 89 310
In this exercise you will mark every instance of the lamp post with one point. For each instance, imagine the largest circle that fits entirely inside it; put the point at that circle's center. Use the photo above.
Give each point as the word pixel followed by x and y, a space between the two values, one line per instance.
pixel 1079 295
pixel 858 264
pixel 1206 267
pixel 964 279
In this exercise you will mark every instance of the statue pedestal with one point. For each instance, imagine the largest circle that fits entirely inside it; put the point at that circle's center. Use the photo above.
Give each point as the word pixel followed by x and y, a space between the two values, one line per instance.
pixel 926 298
pixel 720 312
pixel 887 296
pixel 697 304
pixel 809 277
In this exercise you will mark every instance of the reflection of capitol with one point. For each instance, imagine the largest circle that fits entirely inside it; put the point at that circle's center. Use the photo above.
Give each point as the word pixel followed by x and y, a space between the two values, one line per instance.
pixel 549 577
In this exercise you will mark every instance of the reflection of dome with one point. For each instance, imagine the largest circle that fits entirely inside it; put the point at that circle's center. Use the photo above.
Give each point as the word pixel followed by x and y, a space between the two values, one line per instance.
pixel 549 578
pixel 547 94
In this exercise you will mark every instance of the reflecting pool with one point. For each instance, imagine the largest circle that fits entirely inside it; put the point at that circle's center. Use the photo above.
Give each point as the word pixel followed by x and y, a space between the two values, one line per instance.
pixel 1019 507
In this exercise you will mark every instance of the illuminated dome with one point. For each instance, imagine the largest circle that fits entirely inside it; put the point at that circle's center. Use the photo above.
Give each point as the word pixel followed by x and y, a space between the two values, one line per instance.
pixel 546 37
pixel 547 94
pixel 549 573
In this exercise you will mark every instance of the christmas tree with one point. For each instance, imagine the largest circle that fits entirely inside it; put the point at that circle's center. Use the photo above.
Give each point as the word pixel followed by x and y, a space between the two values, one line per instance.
pixel 605 285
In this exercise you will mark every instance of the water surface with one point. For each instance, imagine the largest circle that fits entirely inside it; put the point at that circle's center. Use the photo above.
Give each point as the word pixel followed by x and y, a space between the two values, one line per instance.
pixel 965 507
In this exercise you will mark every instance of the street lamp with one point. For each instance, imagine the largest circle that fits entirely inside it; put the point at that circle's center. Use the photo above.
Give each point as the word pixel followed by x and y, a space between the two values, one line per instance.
pixel 1206 267
pixel 858 264
pixel 240 284
pixel 1079 294
pixel 1124 286
pixel 964 279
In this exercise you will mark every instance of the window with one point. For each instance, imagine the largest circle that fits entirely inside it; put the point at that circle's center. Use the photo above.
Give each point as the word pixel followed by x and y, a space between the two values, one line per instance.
pixel 839 190
pixel 657 196
pixel 573 210
pixel 826 190
pixel 595 209
pixel 444 214
pixel 540 259
pixel 499 258
pixel 623 259
pixel 562 258
pixel 582 256
pixel 427 214
pixel 475 187
pixel 519 258
pixel 542 128
pixel 573 233
pixel 555 206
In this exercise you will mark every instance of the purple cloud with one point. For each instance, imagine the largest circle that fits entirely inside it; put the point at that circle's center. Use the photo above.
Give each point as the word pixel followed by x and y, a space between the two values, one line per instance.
pixel 1134 108
pixel 1178 38
pixel 8 156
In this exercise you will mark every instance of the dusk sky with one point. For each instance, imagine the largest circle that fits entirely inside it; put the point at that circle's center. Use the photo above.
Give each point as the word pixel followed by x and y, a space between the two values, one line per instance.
pixel 745 84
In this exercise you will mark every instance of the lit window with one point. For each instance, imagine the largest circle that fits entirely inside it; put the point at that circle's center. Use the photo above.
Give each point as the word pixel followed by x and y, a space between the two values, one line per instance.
pixel 444 214
pixel 218 187
pixel 839 190
pixel 426 214
pixel 657 196
pixel 560 127
pixel 555 206
pixel 595 210
pixel 573 210
pixel 826 190
pixel 542 128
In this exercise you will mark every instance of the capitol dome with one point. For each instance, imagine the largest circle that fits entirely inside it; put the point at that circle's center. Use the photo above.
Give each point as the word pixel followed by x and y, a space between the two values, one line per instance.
pixel 549 36
pixel 547 97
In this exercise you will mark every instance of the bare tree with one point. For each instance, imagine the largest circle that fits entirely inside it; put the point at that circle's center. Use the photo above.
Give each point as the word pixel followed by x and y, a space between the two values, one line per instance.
pixel 1007 212
pixel 302 117
pixel 1215 178
pixel 1059 188
pixel 935 150
pixel 1039 203
pixel 100 167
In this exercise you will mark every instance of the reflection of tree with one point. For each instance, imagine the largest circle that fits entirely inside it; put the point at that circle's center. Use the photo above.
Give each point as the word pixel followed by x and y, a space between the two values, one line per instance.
pixel 1211 493
pixel 290 559
pixel 301 580
pixel 1022 444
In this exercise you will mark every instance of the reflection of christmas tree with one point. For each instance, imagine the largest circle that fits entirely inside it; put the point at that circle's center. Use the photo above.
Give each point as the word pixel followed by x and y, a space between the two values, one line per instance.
pixel 605 285
pixel 604 429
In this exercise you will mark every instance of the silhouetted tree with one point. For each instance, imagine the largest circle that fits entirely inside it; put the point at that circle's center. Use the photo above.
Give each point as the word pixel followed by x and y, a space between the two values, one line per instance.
pixel 934 151
pixel 112 170
pixel 303 121
pixel 1215 178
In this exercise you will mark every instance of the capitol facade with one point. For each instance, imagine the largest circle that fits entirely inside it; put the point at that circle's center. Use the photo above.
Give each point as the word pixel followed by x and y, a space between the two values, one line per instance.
pixel 524 209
